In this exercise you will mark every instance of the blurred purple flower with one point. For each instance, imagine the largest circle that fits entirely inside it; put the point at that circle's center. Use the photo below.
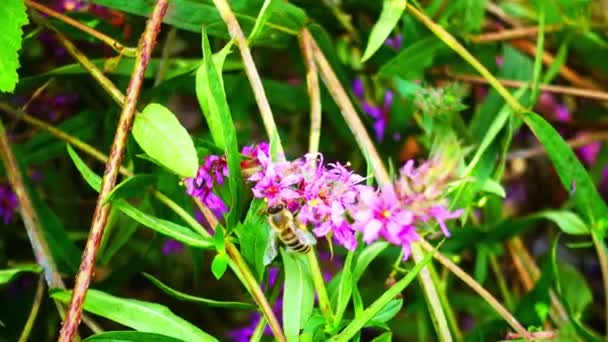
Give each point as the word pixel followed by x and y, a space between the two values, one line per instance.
pixel 589 153
pixel 380 115
pixel 8 203
pixel 172 247
pixel 358 88
pixel 395 42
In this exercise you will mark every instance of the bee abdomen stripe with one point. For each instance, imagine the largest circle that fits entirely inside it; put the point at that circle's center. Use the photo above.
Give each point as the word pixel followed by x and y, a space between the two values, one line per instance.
pixel 302 248
pixel 287 234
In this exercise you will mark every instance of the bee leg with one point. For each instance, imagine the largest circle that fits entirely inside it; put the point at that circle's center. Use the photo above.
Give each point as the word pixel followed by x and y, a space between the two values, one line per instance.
pixel 271 248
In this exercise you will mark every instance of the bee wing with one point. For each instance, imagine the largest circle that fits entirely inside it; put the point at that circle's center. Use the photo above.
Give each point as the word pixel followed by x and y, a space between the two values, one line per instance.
pixel 271 249
pixel 306 237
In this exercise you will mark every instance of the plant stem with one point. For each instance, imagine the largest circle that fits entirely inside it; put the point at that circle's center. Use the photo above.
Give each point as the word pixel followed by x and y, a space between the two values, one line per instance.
pixel 520 32
pixel 432 297
pixel 358 322
pixel 256 292
pixel 312 83
pixel 450 41
pixel 97 74
pixel 600 247
pixel 113 43
pixel 31 318
pixel 502 284
pixel 504 313
pixel 445 303
pixel 557 89
pixel 319 283
pixel 349 113
pixel 252 73
pixel 100 217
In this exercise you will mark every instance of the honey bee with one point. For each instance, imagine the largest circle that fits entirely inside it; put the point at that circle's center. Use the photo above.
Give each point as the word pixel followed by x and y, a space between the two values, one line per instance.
pixel 285 228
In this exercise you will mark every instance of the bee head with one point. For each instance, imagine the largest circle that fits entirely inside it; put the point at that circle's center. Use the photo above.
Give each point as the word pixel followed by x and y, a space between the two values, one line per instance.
pixel 275 209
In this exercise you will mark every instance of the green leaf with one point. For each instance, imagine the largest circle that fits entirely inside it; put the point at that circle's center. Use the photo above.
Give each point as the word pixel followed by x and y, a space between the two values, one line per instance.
pixel 345 289
pixel 6 276
pixel 219 265
pixel 390 15
pixel 570 170
pixel 173 230
pixel 162 137
pixel 412 60
pixel 368 254
pixel 190 298
pixel 284 22
pixel 139 315
pixel 211 96
pixel 265 13
pixel 13 16
pixel 567 221
pixel 299 301
pixel 89 176
pixel 574 288
pixel 386 337
pixel 130 336
pixel 386 313
pixel 253 237
pixel 131 187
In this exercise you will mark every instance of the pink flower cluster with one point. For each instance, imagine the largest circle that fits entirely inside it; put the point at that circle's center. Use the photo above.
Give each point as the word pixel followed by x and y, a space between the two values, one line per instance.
pixel 334 201
pixel 212 172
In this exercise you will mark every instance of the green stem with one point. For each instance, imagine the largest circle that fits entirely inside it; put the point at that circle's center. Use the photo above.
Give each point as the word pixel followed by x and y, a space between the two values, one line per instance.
pixel 445 303
pixel 502 284
pixel 319 283
pixel 598 242
pixel 450 41
pixel 357 324
pixel 483 293
pixel 432 297
pixel 31 318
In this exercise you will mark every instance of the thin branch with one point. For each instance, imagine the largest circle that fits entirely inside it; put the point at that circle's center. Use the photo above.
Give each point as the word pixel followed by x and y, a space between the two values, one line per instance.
pixel 349 113
pixel 252 73
pixel 516 33
pixel 467 279
pixel 583 140
pixel 42 252
pixel 100 217
pixel 557 89
pixel 113 43
pixel 31 318
pixel 314 92
pixel 600 247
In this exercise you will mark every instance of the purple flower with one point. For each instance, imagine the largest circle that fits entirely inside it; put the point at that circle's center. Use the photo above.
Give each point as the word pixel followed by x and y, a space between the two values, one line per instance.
pixel 590 152
pixel 358 89
pixel 8 203
pixel 201 186
pixel 172 247
pixel 380 115
pixel 395 42
pixel 383 215
pixel 562 113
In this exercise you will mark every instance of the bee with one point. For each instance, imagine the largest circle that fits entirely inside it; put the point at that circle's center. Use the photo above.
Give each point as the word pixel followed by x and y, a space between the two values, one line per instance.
pixel 285 227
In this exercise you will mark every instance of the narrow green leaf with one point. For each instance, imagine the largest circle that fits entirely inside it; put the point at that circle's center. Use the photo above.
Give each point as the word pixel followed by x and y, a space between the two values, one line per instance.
pixel 390 15
pixel 567 221
pixel 381 303
pixel 299 301
pixel 139 315
pixel 89 176
pixel 284 22
pixel 572 174
pixel 219 265
pixel 212 98
pixel 6 276
pixel 14 17
pixel 344 289
pixel 173 230
pixel 131 187
pixel 263 16
pixel 386 313
pixel 412 60
pixel 162 137
pixel 130 336
pixel 190 298
pixel 368 254
pixel 253 237
pixel 219 240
